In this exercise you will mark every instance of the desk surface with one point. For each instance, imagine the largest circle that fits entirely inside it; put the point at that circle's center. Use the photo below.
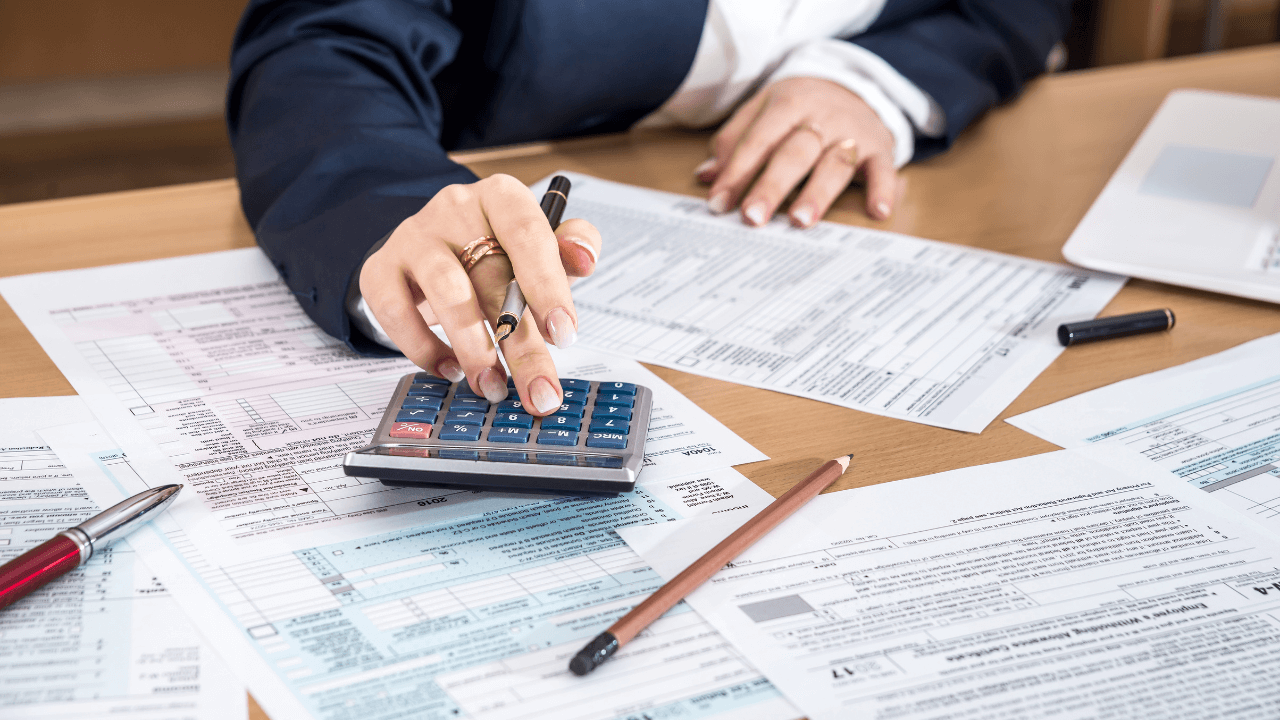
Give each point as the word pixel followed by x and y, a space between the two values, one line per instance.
pixel 1018 182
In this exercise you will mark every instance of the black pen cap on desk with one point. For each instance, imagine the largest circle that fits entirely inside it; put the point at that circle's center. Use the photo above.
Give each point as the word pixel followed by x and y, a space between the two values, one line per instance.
pixel 1115 326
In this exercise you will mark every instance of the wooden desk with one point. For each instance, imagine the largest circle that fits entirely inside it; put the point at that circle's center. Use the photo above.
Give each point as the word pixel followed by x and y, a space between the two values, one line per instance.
pixel 1018 182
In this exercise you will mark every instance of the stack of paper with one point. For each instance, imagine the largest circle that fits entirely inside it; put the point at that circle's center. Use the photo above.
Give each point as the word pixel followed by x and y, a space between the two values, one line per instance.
pixel 335 597
pixel 1082 583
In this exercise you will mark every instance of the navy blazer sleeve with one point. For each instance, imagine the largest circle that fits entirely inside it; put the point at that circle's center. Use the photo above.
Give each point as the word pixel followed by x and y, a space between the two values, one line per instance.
pixel 336 130
pixel 968 55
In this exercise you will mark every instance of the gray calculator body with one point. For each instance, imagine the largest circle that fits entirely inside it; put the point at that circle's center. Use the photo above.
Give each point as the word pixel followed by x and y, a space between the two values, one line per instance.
pixel 511 465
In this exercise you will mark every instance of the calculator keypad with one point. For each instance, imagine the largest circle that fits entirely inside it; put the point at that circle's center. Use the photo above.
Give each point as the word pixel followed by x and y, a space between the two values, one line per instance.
pixel 594 415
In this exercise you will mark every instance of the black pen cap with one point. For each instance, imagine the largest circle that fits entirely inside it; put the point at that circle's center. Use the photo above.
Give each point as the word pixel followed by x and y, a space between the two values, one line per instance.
pixel 1115 326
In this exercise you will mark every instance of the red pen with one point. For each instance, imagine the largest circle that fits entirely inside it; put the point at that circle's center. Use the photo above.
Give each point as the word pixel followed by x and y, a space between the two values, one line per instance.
pixel 73 547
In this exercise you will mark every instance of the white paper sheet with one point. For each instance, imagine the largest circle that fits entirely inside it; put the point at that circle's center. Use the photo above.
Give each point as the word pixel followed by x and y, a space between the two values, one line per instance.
pixel 1081 583
pixel 468 616
pixel 209 373
pixel 106 639
pixel 889 324
pixel 1214 422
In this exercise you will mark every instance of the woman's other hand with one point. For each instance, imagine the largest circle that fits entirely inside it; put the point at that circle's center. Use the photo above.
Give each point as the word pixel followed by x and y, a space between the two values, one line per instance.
pixel 791 129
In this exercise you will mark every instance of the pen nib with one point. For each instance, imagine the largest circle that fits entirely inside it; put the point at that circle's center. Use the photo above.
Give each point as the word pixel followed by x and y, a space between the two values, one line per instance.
pixel 501 333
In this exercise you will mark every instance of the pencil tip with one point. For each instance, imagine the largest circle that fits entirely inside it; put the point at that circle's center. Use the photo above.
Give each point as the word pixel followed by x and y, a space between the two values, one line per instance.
pixel 844 461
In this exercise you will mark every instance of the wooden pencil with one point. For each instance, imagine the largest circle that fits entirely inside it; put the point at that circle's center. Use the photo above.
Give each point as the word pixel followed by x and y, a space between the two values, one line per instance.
pixel 641 616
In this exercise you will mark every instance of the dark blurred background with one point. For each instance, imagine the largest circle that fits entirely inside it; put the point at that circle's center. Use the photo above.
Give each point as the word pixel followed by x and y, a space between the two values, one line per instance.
pixel 104 95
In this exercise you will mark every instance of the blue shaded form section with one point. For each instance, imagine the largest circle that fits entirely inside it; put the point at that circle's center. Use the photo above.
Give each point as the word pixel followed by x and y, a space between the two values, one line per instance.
pixel 416 603
pixel 448 596
pixel 1215 470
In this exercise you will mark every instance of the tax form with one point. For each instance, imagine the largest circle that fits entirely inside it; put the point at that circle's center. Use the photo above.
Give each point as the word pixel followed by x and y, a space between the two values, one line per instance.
pixel 1079 583
pixel 472 616
pixel 106 639
pixel 1214 422
pixel 209 373
pixel 930 332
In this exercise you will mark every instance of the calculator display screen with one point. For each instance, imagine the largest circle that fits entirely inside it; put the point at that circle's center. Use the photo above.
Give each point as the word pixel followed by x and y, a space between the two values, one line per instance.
pixel 506 456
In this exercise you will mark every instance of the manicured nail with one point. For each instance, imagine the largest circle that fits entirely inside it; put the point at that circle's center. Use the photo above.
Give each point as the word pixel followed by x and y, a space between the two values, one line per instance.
pixel 543 395
pixel 492 386
pixel 449 368
pixel 704 166
pixel 755 213
pixel 883 209
pixel 803 216
pixel 560 325
pixel 719 203
pixel 585 246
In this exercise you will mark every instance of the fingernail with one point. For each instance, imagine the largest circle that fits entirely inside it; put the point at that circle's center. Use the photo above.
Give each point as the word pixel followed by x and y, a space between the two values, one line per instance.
pixel 883 209
pixel 704 166
pixel 543 395
pixel 802 215
pixel 585 246
pixel 560 325
pixel 492 386
pixel 755 213
pixel 449 368
pixel 719 203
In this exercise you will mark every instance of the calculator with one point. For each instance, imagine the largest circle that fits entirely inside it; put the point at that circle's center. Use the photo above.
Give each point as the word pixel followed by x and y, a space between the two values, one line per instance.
pixel 438 433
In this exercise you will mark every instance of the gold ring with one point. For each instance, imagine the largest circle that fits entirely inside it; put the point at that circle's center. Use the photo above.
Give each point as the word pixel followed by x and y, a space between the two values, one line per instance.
pixel 813 129
pixel 477 249
pixel 847 150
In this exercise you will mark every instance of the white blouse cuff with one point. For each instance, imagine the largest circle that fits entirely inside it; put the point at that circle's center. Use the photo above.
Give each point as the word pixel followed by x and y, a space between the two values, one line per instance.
pixel 362 317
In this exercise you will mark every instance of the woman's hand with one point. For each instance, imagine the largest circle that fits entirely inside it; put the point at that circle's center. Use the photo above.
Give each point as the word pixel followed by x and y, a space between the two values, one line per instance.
pixel 792 128
pixel 416 280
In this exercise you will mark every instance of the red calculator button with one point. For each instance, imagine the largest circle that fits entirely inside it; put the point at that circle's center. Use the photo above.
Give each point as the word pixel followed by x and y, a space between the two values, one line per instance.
pixel 411 430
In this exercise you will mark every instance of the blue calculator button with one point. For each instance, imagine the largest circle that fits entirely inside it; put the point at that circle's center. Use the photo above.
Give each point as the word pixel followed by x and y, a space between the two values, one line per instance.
pixel 567 422
pixel 615 441
pixel 432 389
pixel 508 456
pixel 517 420
pixel 456 454
pixel 422 415
pixel 621 412
pixel 618 387
pixel 479 405
pixel 571 410
pixel 510 406
pixel 571 384
pixel 464 391
pixel 575 397
pixel 458 431
pixel 429 378
pixel 511 383
pixel 556 437
pixel 464 417
pixel 615 399
pixel 509 434
pixel 616 425
pixel 421 401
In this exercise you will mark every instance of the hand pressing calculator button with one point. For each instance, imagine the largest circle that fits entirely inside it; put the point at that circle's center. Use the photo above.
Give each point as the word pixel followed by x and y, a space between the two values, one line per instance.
pixel 435 432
